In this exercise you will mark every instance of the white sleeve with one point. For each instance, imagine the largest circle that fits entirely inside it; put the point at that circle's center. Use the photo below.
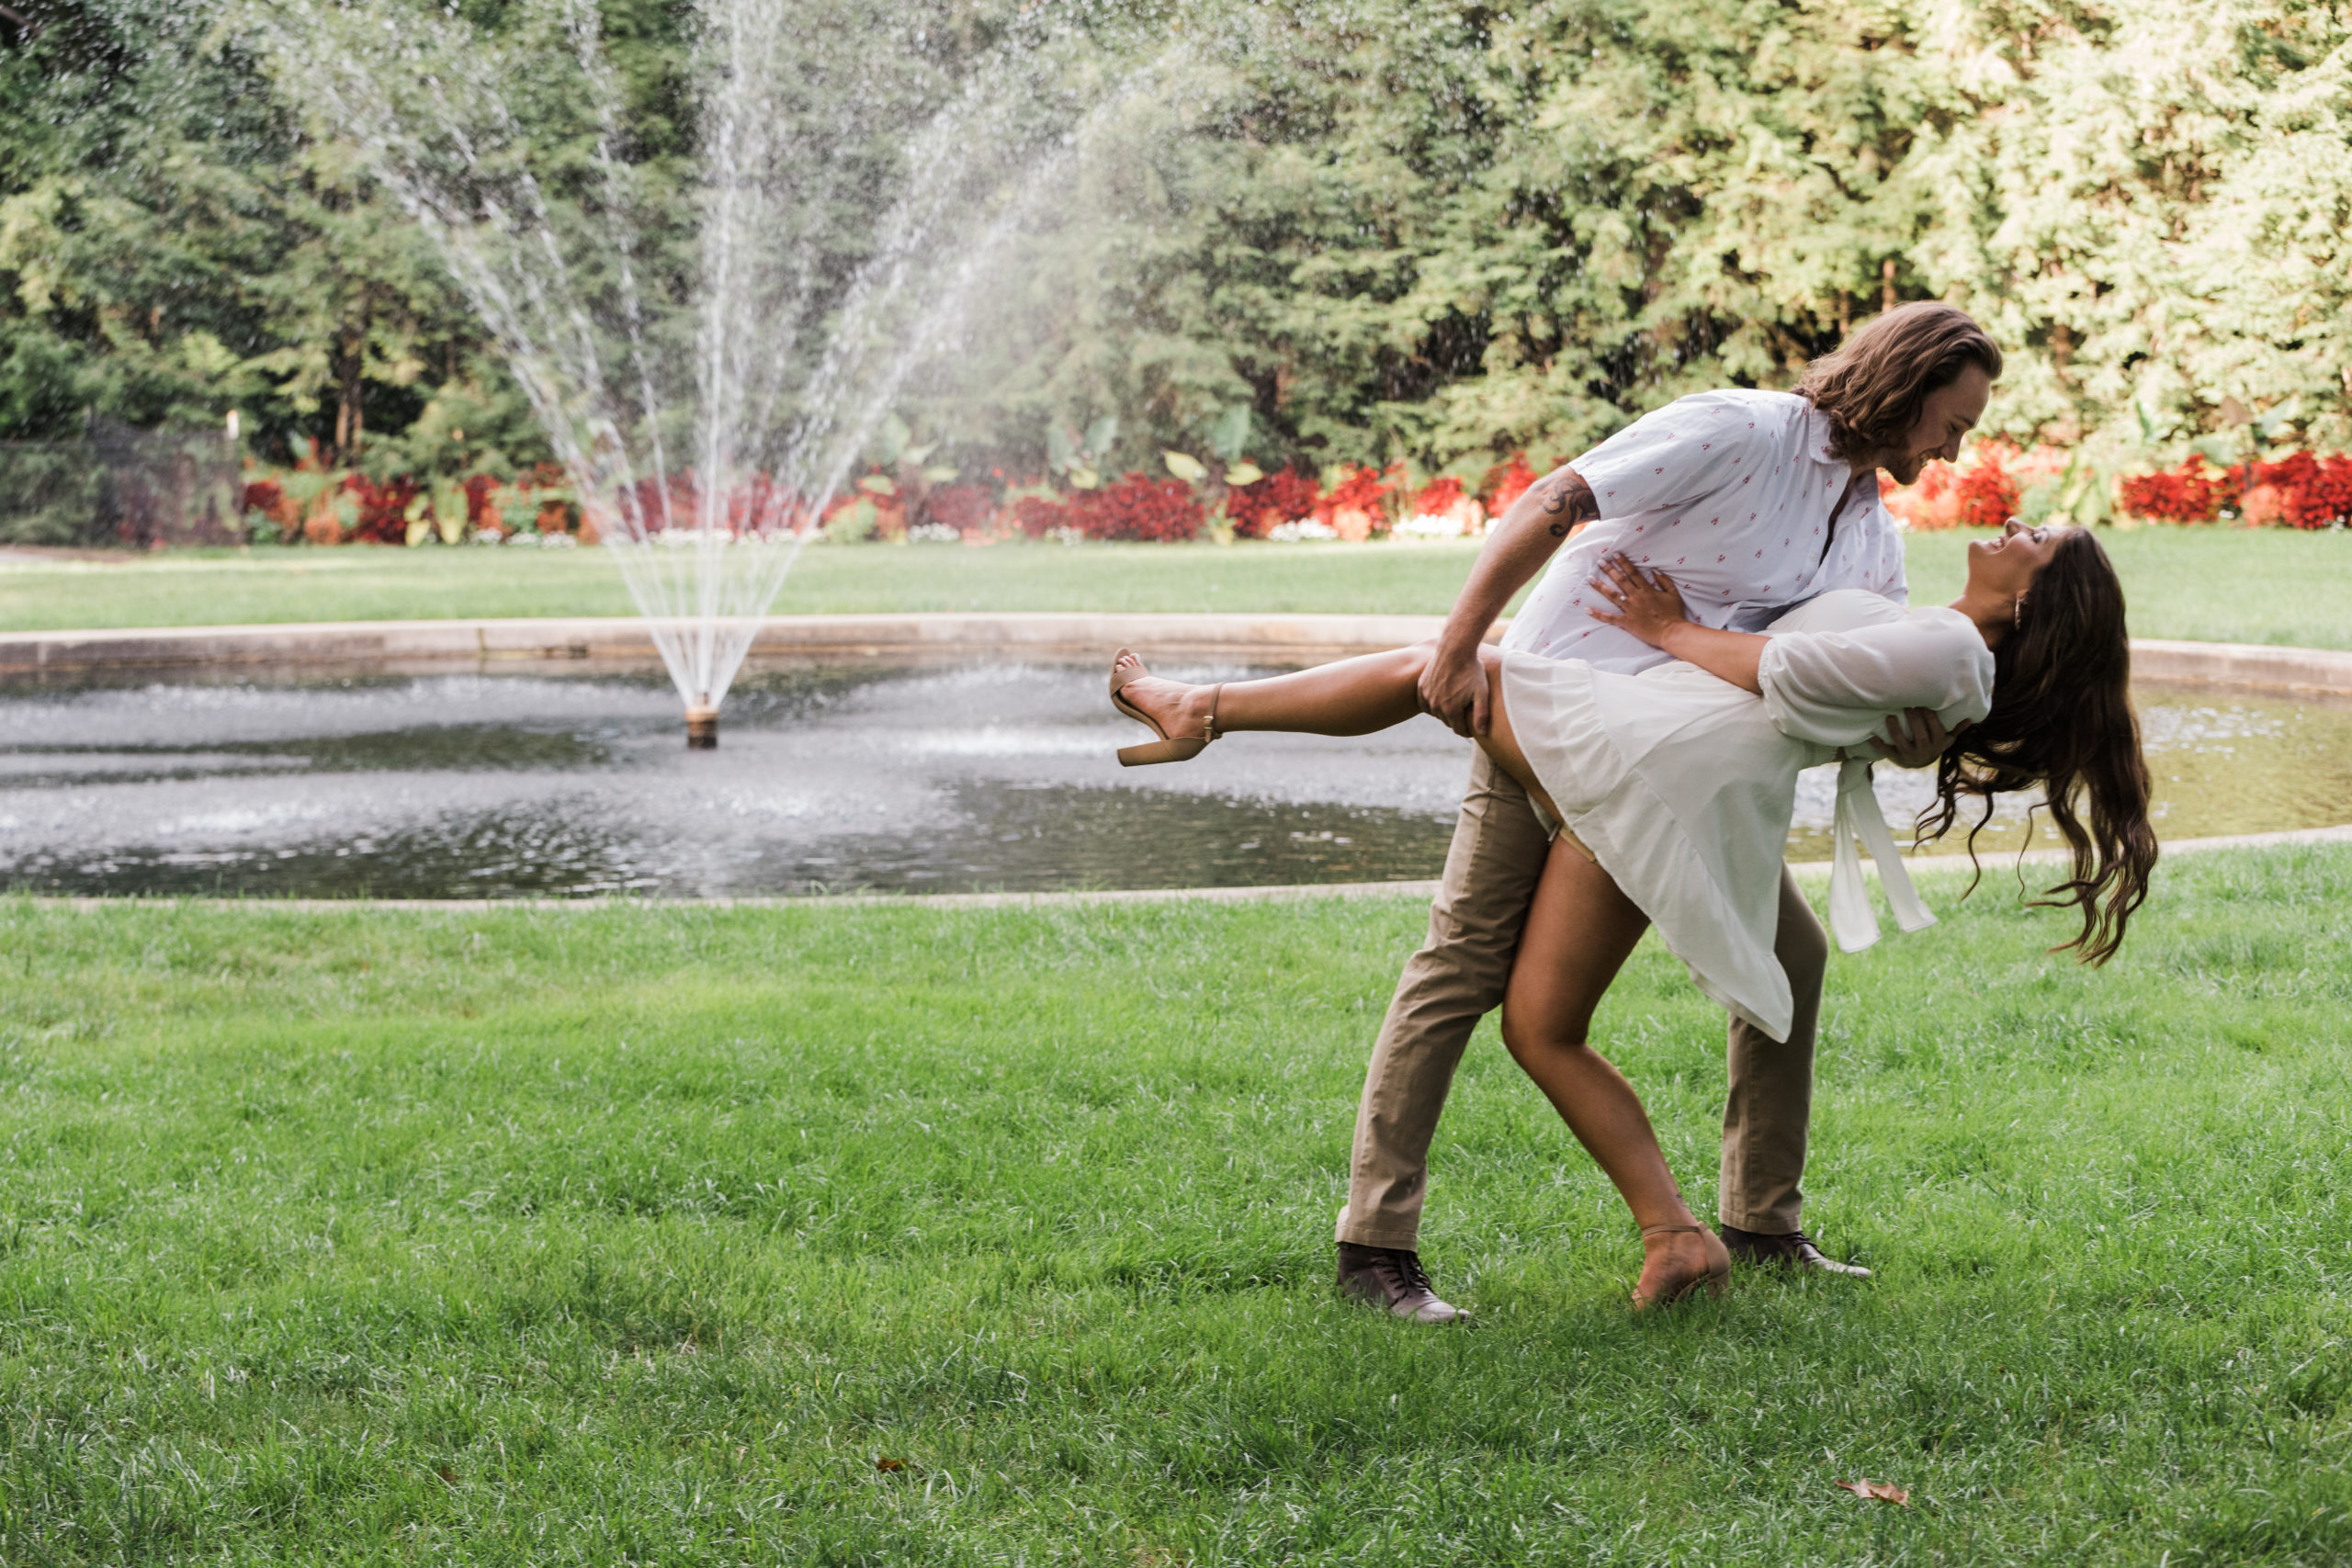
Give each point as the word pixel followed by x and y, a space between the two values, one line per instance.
pixel 1835 688
pixel 1690 448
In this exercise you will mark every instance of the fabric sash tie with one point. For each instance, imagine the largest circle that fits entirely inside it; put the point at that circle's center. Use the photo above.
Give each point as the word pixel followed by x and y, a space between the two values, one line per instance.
pixel 1851 919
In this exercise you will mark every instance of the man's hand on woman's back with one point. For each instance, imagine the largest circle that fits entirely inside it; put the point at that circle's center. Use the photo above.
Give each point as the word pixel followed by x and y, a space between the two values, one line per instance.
pixel 1917 744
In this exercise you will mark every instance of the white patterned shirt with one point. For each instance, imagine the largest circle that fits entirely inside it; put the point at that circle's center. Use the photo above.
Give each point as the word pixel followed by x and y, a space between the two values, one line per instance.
pixel 1730 493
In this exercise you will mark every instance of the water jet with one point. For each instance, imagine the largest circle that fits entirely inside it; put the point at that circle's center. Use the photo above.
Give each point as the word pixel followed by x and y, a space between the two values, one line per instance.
pixel 708 354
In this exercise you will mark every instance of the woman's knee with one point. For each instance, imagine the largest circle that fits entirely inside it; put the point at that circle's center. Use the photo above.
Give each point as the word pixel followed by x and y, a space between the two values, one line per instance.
pixel 1413 657
pixel 1528 1040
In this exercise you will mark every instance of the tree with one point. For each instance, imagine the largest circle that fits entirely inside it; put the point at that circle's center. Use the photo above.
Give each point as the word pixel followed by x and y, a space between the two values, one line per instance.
pixel 1364 228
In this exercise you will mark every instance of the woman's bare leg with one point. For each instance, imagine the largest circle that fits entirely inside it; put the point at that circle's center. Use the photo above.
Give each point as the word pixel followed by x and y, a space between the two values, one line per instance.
pixel 1579 932
pixel 1353 697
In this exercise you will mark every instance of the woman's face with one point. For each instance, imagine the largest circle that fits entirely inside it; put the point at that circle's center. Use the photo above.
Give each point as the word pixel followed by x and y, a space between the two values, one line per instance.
pixel 2006 566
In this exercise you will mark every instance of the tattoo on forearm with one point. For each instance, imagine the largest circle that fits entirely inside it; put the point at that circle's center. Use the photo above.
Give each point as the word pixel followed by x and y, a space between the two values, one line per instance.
pixel 1567 501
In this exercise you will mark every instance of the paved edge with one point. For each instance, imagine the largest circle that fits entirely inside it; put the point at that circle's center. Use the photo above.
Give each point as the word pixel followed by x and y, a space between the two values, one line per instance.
pixel 883 638
pixel 1420 892
pixel 406 646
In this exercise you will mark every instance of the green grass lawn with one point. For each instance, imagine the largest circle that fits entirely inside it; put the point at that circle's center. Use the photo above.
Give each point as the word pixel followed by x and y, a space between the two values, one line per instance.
pixel 2224 585
pixel 887 1235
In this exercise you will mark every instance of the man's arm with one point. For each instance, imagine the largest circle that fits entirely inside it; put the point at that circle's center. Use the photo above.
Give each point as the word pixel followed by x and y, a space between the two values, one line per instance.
pixel 1454 687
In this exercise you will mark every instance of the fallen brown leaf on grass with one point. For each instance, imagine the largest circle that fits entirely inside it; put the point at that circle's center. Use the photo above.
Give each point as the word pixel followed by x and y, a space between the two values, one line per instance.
pixel 888 1465
pixel 1884 1491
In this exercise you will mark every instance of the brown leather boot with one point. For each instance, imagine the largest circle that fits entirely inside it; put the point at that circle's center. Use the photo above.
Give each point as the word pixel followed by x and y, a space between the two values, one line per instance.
pixel 1794 1250
pixel 1393 1279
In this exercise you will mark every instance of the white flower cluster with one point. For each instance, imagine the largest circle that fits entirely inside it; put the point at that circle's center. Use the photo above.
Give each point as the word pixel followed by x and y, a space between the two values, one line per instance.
pixel 1302 531
pixel 934 534
pixel 687 537
pixel 1429 525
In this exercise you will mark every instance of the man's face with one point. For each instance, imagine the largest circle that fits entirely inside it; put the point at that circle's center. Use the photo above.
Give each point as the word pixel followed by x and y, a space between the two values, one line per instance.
pixel 1949 413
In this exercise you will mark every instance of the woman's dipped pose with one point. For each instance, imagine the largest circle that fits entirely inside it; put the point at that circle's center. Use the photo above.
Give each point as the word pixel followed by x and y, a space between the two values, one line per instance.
pixel 1675 789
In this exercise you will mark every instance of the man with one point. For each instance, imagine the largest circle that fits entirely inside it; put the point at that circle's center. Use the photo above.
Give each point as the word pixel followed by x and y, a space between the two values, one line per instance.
pixel 1753 503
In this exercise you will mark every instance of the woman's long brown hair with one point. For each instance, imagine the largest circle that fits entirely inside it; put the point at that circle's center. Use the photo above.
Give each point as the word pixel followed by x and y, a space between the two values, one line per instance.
pixel 2062 721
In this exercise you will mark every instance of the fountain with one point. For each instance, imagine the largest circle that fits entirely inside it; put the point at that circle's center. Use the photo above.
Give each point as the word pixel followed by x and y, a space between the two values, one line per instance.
pixel 709 355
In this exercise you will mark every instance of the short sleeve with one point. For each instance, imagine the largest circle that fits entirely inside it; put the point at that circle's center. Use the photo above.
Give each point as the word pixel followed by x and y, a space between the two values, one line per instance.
pixel 1690 448
pixel 1834 687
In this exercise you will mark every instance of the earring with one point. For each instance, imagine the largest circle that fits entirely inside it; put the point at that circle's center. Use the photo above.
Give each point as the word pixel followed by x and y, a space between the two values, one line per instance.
pixel 2017 611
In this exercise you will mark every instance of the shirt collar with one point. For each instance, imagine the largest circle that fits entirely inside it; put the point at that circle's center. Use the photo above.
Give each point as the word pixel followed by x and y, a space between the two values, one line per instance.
pixel 1817 444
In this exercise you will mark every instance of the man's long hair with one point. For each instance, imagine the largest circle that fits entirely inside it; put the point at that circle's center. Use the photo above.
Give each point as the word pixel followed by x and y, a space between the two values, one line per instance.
pixel 1873 385
pixel 2062 723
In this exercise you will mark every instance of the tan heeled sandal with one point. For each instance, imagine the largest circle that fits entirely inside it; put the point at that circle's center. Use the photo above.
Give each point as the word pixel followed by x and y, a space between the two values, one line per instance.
pixel 1711 1280
pixel 1168 747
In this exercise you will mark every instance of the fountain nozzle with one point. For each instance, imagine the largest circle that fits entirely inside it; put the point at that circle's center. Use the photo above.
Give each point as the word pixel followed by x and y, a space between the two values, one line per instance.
pixel 702 728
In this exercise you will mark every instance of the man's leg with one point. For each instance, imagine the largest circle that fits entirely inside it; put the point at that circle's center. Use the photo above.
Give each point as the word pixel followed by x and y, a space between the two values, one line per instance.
pixel 1456 979
pixel 1768 1112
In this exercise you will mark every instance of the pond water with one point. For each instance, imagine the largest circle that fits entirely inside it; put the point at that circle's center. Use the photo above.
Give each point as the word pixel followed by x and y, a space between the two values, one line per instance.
pixel 827 781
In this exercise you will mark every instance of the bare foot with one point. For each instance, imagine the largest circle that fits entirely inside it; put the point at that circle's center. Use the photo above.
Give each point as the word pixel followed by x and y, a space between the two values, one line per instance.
pixel 1676 1262
pixel 1179 709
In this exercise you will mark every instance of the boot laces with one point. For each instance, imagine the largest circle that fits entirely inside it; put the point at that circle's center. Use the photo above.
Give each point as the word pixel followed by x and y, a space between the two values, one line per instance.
pixel 1402 1272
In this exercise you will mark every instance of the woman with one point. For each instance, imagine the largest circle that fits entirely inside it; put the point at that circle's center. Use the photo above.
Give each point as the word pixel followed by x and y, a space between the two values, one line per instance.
pixel 1673 791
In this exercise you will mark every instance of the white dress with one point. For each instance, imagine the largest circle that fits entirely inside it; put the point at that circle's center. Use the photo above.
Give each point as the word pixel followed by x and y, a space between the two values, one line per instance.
pixel 1681 784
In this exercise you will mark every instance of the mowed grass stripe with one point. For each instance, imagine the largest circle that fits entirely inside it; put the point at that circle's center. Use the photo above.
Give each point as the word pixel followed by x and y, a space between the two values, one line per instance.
pixel 643 1233
pixel 2255 585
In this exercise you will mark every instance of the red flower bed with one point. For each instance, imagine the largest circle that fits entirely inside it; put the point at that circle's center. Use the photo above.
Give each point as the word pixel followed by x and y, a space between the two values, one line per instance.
pixel 760 505
pixel 1988 493
pixel 383 509
pixel 1039 515
pixel 1505 483
pixel 2306 491
pixel 1980 492
pixel 1137 508
pixel 2194 493
pixel 1358 503
pixel 1440 497
pixel 1261 505
pixel 965 508
pixel 270 498
pixel 481 511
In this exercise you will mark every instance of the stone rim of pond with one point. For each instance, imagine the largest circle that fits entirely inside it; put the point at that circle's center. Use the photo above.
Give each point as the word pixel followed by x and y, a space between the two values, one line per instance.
pixel 1937 865
pixel 624 641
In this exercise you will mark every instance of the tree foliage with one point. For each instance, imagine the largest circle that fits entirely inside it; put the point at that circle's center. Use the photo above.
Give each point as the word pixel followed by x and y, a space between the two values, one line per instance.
pixel 1366 229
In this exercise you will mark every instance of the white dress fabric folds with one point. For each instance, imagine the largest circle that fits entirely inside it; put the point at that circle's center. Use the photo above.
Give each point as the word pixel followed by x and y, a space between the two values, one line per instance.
pixel 1681 784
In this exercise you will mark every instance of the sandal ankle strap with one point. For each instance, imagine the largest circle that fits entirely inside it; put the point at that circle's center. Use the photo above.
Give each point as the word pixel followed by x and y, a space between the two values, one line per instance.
pixel 1216 694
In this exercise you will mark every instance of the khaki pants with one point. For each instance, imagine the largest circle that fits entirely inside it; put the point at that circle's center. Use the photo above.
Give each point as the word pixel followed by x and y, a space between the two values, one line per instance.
pixel 1458 977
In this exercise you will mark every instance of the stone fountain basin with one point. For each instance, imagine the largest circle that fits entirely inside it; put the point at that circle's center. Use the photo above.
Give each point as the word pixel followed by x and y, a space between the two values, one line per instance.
pixel 919 765
pixel 622 642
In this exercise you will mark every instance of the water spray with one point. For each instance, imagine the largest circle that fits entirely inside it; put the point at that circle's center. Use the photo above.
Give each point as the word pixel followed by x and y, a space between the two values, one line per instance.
pixel 707 413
